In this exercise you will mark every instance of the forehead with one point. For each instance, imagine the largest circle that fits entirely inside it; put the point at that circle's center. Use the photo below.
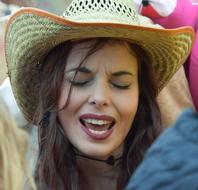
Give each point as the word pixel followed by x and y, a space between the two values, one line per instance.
pixel 113 54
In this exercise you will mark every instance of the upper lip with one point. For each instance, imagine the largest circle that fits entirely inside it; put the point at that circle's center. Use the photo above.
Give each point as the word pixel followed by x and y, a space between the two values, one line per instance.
pixel 98 117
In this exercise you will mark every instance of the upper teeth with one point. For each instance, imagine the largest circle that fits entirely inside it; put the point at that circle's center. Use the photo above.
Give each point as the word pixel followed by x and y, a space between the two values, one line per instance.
pixel 96 121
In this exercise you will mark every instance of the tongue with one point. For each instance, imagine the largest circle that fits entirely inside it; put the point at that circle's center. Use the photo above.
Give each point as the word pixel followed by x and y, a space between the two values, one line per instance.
pixel 97 127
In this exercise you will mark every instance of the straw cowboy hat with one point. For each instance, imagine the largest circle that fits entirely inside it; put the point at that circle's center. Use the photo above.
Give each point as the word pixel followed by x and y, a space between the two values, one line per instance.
pixel 31 33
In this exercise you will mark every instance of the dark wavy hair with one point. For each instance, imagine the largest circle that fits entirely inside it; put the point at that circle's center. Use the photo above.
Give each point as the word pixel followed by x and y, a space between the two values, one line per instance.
pixel 56 166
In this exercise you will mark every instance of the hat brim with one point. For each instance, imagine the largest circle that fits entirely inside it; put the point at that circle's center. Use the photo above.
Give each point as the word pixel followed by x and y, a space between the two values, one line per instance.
pixel 31 33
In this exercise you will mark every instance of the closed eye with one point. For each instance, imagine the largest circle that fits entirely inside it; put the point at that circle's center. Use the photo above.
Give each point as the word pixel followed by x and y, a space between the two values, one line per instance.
pixel 79 83
pixel 121 79
pixel 121 86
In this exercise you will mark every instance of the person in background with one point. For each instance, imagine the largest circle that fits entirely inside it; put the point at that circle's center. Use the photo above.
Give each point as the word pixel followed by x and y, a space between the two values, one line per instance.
pixel 89 81
pixel 171 162
pixel 15 170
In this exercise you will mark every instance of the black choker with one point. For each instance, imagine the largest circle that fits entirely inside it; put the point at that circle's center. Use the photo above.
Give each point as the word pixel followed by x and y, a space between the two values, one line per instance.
pixel 110 160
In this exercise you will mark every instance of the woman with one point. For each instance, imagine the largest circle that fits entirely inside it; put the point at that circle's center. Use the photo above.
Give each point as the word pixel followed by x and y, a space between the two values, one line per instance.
pixel 97 115
pixel 13 148
pixel 89 81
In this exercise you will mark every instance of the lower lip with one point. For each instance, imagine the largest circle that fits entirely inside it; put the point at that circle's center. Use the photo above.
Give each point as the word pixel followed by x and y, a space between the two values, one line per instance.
pixel 97 136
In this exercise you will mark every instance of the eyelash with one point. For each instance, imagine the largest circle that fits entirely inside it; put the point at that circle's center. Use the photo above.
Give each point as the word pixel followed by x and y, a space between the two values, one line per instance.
pixel 78 84
pixel 124 87
pixel 83 83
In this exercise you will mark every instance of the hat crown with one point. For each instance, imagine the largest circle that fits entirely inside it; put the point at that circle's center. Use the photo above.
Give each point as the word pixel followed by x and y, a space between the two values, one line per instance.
pixel 116 11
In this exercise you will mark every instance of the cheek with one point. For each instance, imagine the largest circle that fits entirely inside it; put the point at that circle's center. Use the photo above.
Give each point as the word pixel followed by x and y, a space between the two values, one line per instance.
pixel 75 100
pixel 128 102
pixel 76 97
pixel 131 105
pixel 70 95
pixel 128 108
pixel 63 97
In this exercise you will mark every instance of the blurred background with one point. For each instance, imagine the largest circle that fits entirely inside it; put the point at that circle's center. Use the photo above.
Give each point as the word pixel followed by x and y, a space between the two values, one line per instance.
pixel 8 7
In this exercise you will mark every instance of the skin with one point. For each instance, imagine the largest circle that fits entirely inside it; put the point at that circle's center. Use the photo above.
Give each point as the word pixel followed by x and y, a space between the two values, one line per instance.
pixel 104 93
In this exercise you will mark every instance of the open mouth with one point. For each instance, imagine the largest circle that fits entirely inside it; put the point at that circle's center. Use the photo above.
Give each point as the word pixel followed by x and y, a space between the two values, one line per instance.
pixel 97 127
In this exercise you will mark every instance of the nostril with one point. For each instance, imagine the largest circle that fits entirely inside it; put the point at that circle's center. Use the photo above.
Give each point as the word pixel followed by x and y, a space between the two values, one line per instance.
pixel 92 101
pixel 98 102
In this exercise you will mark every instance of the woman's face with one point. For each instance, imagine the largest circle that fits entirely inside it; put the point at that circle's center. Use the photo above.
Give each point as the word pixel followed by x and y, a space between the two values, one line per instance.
pixel 104 98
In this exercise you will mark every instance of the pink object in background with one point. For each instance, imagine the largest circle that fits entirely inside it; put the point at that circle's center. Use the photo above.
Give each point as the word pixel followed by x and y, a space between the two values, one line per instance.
pixel 185 13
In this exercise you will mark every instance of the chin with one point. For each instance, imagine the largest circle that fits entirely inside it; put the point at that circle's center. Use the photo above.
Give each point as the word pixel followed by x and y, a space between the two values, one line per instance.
pixel 98 153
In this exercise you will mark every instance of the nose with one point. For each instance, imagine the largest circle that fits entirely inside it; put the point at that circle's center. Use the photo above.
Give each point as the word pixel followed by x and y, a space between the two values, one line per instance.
pixel 99 95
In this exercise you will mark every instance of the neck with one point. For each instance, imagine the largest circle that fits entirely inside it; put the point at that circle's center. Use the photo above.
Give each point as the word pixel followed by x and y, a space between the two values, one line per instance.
pixel 95 165
pixel 111 160
pixel 99 175
pixel 95 162
pixel 97 172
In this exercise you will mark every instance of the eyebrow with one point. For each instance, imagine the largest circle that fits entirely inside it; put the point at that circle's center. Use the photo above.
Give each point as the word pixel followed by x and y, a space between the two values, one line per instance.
pixel 81 69
pixel 85 70
pixel 120 73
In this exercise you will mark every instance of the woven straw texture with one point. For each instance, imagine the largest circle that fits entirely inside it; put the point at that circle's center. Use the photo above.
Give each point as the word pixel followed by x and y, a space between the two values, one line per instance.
pixel 32 33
